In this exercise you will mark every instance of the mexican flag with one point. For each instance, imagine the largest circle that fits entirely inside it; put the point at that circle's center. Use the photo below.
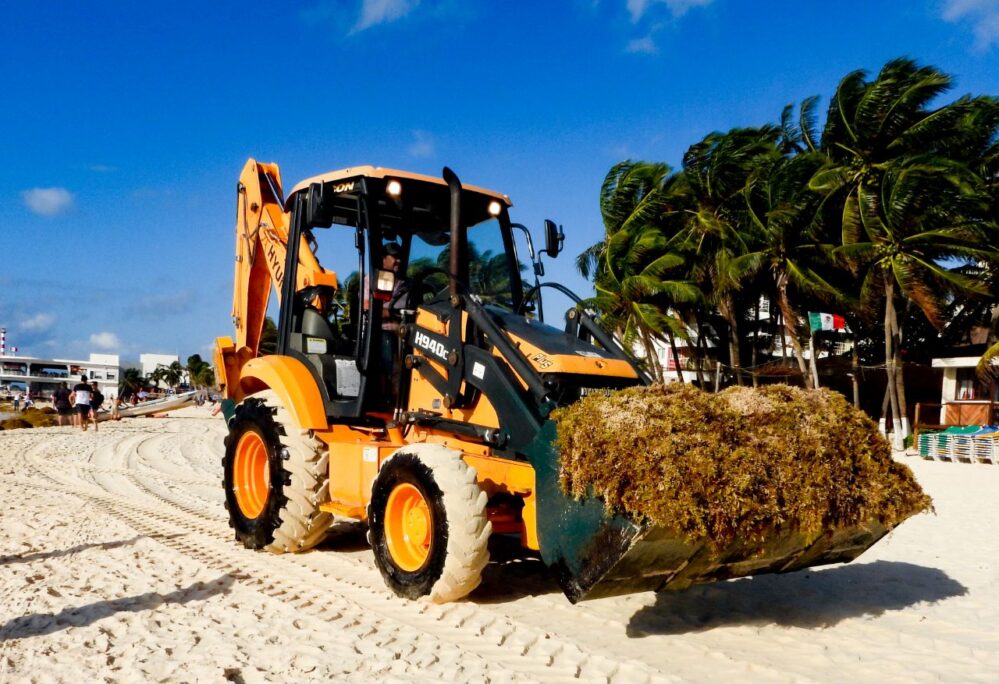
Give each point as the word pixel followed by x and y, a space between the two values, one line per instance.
pixel 825 321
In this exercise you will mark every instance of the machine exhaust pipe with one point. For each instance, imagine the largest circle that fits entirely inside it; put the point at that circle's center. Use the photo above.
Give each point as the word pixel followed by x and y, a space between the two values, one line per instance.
pixel 457 234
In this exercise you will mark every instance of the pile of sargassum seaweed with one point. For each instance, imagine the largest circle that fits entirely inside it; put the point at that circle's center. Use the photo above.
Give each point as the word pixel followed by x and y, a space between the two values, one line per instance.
pixel 32 417
pixel 733 465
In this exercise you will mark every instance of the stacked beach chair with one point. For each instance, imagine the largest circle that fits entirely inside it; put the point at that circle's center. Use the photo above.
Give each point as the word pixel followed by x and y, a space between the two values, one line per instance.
pixel 969 443
pixel 986 446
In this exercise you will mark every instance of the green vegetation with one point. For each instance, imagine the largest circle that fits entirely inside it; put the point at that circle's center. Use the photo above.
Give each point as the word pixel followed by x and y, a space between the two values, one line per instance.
pixel 734 465
pixel 888 216
pixel 200 373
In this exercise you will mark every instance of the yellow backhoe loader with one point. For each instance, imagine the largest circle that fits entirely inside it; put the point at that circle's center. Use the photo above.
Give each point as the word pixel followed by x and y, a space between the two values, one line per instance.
pixel 414 394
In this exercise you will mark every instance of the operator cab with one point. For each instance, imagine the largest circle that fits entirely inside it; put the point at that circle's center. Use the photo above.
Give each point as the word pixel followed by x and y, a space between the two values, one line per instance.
pixel 348 336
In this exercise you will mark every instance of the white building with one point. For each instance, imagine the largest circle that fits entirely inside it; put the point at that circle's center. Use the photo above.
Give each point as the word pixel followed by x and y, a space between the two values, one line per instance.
pixel 150 362
pixel 964 399
pixel 40 377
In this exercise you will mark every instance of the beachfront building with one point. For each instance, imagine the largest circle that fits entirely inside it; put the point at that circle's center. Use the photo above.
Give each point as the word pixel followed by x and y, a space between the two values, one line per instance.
pixel 40 377
pixel 150 362
pixel 964 398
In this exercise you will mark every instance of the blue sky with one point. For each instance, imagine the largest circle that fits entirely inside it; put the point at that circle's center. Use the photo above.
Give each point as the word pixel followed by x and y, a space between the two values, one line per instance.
pixel 126 124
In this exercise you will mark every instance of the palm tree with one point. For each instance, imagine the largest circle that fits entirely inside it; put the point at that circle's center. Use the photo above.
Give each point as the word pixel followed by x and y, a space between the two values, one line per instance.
pixel 634 271
pixel 873 130
pixel 784 214
pixel 899 237
pixel 715 174
pixel 173 374
pixel 131 382
pixel 200 373
pixel 635 292
pixel 156 376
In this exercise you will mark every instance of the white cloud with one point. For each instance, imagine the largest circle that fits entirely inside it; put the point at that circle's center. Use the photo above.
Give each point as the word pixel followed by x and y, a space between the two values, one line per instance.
pixel 642 45
pixel 374 12
pixel 48 201
pixel 983 15
pixel 422 145
pixel 105 340
pixel 38 323
pixel 677 8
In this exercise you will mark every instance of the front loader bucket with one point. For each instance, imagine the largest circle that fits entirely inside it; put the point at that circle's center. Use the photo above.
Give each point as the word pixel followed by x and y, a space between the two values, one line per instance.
pixel 596 555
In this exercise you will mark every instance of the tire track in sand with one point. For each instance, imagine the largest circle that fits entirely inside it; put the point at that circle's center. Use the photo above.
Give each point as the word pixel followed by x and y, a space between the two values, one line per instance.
pixel 327 592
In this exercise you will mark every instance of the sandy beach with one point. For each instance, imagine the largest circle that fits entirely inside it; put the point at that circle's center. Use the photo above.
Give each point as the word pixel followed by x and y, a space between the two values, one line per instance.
pixel 117 564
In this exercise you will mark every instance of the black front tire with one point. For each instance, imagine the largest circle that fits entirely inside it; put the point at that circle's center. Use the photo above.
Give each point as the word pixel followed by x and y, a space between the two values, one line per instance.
pixel 460 529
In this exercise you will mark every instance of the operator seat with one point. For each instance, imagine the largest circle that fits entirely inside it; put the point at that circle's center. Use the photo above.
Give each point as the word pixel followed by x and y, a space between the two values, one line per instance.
pixel 318 343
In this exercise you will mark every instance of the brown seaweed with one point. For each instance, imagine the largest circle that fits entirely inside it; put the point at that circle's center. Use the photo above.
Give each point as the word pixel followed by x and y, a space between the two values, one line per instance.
pixel 738 464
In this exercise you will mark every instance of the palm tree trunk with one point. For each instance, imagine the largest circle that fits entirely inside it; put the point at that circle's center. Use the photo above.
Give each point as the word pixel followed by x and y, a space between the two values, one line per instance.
pixel 900 372
pixel 676 356
pixel 727 309
pixel 788 314
pixel 653 360
pixel 896 418
pixel 884 409
pixel 699 346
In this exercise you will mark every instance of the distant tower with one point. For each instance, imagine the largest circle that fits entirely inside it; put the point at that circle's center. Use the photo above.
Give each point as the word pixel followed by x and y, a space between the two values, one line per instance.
pixel 3 343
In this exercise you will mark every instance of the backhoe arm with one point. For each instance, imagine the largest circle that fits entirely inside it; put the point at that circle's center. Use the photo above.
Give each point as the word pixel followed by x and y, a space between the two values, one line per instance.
pixel 261 250
pixel 261 257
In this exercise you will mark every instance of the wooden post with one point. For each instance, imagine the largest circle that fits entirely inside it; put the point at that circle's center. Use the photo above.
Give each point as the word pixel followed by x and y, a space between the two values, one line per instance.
pixel 717 375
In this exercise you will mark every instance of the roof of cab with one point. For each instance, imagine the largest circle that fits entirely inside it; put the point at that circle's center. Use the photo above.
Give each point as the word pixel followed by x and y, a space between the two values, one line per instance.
pixel 379 172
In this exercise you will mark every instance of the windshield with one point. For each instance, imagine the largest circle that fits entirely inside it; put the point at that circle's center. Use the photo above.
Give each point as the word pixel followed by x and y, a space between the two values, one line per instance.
pixel 491 274
pixel 412 223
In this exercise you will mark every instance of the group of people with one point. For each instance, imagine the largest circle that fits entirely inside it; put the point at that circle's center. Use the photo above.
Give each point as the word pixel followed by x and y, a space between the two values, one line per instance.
pixel 80 404
pixel 28 403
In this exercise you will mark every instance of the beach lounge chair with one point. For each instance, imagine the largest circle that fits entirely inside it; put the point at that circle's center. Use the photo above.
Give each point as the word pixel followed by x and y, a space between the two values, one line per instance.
pixel 928 444
pixel 982 444
pixel 959 442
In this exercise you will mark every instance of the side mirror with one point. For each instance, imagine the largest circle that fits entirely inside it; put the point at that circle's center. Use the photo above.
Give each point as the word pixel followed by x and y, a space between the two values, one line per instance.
pixel 553 238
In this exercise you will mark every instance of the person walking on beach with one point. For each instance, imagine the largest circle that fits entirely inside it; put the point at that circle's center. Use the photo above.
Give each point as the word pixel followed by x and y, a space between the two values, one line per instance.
pixel 81 402
pixel 96 400
pixel 17 402
pixel 60 402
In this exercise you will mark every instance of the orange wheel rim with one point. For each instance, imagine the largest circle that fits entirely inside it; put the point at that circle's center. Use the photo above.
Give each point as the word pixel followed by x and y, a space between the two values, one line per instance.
pixel 250 475
pixel 409 527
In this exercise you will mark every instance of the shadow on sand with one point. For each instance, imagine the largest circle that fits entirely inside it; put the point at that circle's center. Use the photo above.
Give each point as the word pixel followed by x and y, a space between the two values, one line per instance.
pixel 513 573
pixel 44 555
pixel 809 598
pixel 346 536
pixel 104 546
pixel 38 624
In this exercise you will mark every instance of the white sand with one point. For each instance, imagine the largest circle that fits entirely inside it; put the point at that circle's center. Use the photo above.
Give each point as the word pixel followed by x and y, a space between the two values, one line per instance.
pixel 116 563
